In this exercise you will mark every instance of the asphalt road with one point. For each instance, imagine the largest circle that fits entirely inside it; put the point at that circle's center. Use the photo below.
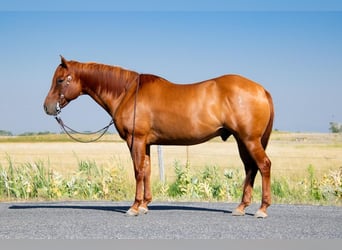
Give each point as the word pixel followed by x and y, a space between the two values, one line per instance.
pixel 107 220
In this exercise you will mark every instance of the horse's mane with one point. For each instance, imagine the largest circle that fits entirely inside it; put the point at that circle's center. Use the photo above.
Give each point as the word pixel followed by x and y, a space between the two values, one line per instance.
pixel 104 77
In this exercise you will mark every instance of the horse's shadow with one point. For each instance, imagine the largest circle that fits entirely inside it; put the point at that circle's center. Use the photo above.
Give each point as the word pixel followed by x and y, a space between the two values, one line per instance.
pixel 121 208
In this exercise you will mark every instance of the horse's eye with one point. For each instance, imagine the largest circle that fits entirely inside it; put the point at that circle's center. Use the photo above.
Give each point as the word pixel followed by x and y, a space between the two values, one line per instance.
pixel 60 80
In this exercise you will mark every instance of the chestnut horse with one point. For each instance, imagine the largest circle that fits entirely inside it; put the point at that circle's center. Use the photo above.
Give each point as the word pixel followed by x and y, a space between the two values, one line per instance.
pixel 149 110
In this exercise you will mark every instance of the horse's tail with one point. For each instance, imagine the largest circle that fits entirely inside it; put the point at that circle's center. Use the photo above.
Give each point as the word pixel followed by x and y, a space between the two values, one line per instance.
pixel 266 136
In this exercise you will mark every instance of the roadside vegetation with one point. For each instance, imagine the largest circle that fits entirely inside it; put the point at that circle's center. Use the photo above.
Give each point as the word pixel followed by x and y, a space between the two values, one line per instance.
pixel 307 170
pixel 91 182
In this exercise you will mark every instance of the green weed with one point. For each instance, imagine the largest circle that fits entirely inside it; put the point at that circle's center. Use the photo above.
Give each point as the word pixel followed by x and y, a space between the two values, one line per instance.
pixel 92 182
pixel 34 181
pixel 209 184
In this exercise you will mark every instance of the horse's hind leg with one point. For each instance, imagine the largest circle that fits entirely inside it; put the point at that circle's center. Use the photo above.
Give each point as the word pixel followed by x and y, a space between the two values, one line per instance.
pixel 251 170
pixel 257 153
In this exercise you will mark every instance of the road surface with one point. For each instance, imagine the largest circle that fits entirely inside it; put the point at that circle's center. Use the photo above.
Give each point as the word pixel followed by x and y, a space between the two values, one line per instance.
pixel 165 220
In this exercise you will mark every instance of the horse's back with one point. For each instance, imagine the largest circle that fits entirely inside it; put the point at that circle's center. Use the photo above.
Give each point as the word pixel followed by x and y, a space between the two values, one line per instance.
pixel 225 84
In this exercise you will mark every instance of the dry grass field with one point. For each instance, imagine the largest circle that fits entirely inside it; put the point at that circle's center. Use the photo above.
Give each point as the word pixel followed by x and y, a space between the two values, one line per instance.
pixel 291 154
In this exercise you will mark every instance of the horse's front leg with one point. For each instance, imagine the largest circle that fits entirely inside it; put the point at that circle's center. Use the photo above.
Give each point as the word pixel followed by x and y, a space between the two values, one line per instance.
pixel 141 162
pixel 143 209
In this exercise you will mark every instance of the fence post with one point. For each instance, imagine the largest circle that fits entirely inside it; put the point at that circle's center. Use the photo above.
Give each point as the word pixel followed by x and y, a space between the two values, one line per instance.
pixel 161 164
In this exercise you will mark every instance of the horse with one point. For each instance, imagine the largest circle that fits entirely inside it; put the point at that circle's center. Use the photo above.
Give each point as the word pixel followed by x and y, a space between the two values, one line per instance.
pixel 150 110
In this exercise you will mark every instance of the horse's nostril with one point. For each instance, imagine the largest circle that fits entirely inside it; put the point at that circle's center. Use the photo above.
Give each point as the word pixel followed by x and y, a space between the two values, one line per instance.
pixel 47 110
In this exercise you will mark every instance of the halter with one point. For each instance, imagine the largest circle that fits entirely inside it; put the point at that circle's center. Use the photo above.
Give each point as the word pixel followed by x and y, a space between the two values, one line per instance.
pixel 58 106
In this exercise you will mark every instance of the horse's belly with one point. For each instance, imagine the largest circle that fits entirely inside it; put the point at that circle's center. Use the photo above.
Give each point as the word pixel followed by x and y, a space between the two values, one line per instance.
pixel 183 135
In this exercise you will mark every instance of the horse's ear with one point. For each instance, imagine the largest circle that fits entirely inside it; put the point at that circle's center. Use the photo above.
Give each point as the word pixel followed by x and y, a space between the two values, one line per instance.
pixel 64 62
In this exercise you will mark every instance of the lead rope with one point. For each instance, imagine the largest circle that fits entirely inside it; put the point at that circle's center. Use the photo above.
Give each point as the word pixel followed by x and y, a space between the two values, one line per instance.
pixel 71 131
pixel 134 113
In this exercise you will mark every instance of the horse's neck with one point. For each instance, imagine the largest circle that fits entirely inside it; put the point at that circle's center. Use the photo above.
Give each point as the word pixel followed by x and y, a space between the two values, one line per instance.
pixel 106 84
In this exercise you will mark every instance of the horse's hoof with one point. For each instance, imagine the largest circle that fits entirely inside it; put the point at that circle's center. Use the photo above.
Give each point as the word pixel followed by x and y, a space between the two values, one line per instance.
pixel 260 214
pixel 131 212
pixel 238 212
pixel 143 210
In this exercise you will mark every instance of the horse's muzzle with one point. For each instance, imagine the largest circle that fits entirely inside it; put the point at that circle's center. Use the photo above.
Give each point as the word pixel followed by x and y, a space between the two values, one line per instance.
pixel 52 109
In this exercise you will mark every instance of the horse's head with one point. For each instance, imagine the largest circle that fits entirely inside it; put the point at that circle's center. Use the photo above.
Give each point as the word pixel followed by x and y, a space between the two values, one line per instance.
pixel 65 88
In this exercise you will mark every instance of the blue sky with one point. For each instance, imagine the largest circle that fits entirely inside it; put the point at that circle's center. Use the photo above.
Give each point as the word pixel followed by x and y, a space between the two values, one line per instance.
pixel 296 55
